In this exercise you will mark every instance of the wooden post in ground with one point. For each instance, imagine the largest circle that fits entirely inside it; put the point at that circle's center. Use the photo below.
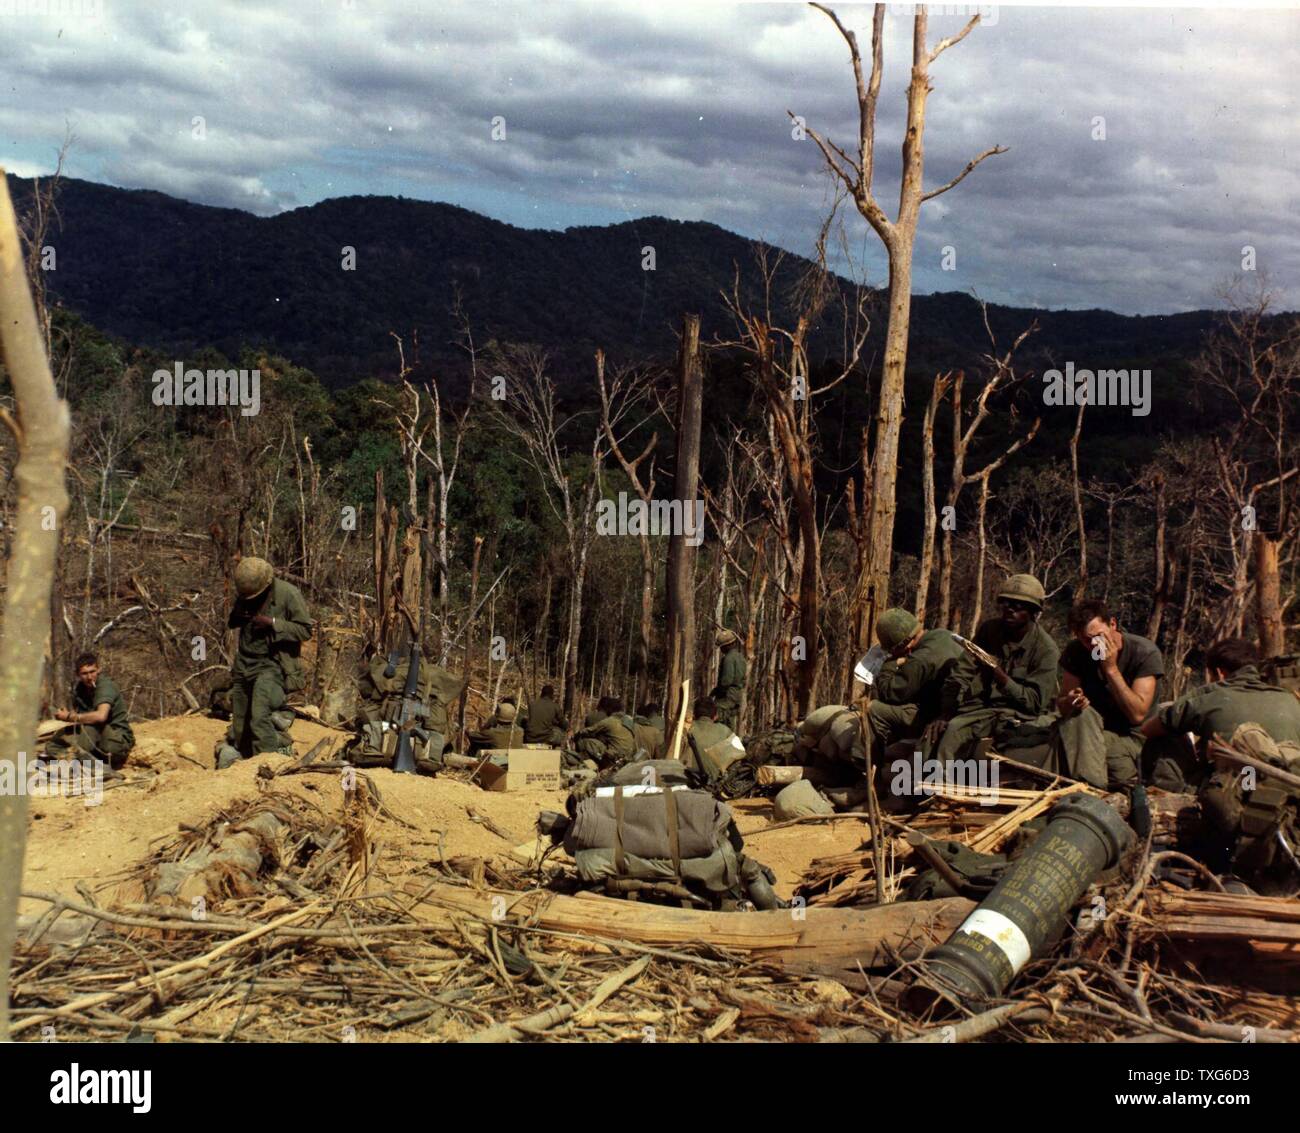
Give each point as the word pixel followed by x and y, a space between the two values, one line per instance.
pixel 680 633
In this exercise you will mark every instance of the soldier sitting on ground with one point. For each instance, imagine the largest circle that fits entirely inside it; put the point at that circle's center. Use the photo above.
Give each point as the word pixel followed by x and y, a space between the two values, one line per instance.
pixel 1006 702
pixel 1107 690
pixel 545 723
pixel 609 739
pixel 99 713
pixel 501 730
pixel 648 731
pixel 712 746
pixel 1236 694
pixel 908 693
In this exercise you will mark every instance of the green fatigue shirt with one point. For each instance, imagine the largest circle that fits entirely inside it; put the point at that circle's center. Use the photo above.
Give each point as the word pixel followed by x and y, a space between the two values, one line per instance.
pixel 594 717
pixel 718 743
pixel 918 678
pixel 105 692
pixel 833 731
pixel 1030 663
pixel 275 649
pixel 648 738
pixel 614 734
pixel 543 718
pixel 1244 698
pixel 1139 658
pixel 657 721
pixel 497 734
pixel 731 677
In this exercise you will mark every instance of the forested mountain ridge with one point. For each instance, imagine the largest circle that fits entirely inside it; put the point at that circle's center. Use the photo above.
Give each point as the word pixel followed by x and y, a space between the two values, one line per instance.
pixel 175 275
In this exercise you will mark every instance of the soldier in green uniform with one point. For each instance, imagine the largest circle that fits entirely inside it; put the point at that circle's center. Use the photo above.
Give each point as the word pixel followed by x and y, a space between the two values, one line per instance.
pixel 711 746
pixel 610 738
pixel 545 723
pixel 982 701
pixel 1235 694
pixel 731 678
pixel 273 622
pixel 908 693
pixel 99 711
pixel 831 732
pixel 502 729
pixel 1108 687
pixel 648 731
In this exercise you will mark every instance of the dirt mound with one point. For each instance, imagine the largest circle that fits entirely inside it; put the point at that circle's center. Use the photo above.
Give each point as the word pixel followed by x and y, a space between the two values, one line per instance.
pixel 165 788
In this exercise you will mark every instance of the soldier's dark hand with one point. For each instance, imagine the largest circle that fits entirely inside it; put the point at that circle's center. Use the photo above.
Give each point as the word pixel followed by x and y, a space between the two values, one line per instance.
pixel 261 621
pixel 934 731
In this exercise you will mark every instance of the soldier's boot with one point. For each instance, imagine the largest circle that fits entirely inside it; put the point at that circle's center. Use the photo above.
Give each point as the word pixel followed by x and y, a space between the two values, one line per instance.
pixel 757 881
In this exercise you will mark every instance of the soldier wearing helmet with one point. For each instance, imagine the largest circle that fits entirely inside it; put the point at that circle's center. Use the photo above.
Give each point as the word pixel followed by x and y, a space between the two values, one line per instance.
pixel 731 678
pixel 909 687
pixel 998 701
pixel 273 622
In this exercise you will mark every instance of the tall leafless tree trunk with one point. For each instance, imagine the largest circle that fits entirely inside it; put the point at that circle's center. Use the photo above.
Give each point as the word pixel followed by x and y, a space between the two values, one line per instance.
pixel 1162 573
pixel 898 236
pixel 1268 597
pixel 1081 583
pixel 937 391
pixel 622 394
pixel 679 638
pixel 41 430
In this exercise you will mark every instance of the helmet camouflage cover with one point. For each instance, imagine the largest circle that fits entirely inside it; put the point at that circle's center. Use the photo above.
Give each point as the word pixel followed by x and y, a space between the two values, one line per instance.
pixel 252 576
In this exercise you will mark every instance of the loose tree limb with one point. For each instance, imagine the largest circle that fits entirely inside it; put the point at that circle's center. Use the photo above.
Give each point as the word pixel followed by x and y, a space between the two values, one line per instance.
pixel 544 1020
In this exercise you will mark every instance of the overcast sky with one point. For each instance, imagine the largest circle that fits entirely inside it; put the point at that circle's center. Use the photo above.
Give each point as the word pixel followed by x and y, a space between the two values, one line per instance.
pixel 620 110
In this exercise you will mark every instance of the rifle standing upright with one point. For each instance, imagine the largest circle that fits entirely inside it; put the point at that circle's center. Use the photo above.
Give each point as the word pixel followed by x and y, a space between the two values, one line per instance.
pixel 413 709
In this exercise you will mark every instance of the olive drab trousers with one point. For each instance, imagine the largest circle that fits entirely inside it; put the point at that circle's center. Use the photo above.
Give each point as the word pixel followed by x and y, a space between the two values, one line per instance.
pixel 1083 749
pixel 108 742
pixel 252 700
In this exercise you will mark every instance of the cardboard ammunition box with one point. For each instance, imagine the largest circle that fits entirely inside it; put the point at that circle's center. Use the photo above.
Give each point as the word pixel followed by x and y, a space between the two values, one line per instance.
pixel 527 769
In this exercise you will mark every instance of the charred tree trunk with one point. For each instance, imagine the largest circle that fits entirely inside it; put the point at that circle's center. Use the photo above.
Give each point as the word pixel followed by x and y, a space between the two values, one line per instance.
pixel 679 644
pixel 468 669
pixel 1162 582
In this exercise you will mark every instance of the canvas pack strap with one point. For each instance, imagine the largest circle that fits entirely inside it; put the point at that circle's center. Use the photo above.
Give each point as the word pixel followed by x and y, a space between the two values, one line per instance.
pixel 674 835
pixel 620 859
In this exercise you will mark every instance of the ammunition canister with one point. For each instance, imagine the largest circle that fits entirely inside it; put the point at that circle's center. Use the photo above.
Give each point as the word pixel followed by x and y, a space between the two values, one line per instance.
pixel 1028 908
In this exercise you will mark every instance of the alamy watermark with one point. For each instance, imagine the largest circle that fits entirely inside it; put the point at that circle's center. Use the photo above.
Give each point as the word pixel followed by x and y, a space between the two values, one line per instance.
pixel 978 778
pixel 44 778
pixel 626 516
pixel 180 386
pixel 1099 387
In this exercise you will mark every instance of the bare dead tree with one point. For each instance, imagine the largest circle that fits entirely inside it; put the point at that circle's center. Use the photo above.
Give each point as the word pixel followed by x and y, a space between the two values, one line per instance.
pixel 1252 365
pixel 41 429
pixel 626 394
pixel 1076 487
pixel 530 414
pixel 898 236
pixel 781 371
pixel 940 386
pixel 1001 377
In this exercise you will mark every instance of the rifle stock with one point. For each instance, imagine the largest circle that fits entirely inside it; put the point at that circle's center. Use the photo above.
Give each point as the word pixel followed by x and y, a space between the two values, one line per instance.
pixel 412 709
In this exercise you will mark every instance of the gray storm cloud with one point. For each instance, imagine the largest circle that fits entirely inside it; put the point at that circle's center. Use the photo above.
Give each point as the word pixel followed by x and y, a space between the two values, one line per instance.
pixel 622 110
